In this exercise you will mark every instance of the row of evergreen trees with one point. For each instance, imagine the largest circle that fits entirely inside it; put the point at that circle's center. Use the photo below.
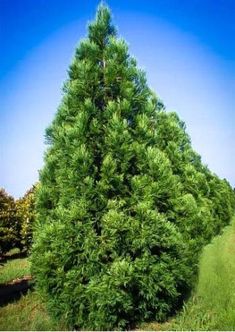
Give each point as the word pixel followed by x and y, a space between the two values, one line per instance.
pixel 16 221
pixel 125 205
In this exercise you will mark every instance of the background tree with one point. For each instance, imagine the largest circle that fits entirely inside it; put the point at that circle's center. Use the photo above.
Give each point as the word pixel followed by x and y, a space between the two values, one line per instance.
pixel 25 210
pixel 205 204
pixel 9 224
pixel 124 205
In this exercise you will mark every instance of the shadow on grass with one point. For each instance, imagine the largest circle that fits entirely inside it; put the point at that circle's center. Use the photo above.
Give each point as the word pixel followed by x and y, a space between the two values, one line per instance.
pixel 13 291
pixel 5 258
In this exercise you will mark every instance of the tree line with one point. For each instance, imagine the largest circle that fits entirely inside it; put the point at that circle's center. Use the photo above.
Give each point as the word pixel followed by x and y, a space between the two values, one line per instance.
pixel 16 221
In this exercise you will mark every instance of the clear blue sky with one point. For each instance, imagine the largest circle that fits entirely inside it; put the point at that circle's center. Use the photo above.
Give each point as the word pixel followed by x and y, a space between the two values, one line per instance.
pixel 186 47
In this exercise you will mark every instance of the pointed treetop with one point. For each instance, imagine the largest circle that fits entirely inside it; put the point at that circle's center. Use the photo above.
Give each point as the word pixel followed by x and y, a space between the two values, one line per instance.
pixel 101 28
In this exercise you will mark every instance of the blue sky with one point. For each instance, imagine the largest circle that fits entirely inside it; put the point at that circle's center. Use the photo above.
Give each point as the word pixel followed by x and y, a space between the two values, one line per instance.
pixel 186 48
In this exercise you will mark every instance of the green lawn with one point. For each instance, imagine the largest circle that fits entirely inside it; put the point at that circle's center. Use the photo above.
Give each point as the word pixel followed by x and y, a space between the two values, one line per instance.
pixel 27 314
pixel 13 269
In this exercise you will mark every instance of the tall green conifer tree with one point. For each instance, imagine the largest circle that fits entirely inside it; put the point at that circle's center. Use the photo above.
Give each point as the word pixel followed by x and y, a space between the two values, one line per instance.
pixel 111 246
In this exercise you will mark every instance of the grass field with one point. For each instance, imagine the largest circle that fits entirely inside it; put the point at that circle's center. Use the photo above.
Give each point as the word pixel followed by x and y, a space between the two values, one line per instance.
pixel 27 314
pixel 211 307
pixel 14 269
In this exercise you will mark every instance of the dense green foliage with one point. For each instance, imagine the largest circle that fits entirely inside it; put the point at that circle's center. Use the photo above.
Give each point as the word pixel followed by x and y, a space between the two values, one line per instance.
pixel 212 306
pixel 125 205
pixel 203 203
